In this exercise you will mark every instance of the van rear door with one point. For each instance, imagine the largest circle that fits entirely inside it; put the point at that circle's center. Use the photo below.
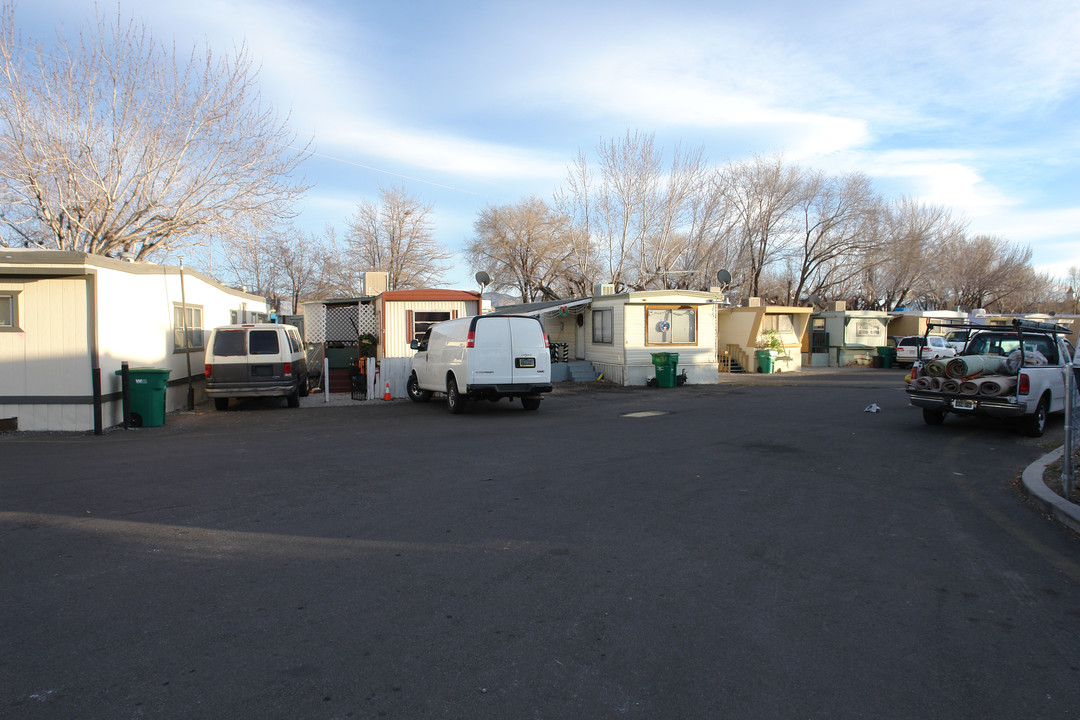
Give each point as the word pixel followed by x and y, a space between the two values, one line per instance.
pixel 530 357
pixel 490 357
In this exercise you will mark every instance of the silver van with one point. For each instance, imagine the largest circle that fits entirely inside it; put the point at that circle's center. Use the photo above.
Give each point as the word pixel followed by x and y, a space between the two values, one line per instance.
pixel 483 357
pixel 256 360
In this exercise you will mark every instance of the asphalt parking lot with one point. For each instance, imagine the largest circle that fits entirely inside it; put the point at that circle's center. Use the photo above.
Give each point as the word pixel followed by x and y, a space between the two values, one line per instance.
pixel 757 549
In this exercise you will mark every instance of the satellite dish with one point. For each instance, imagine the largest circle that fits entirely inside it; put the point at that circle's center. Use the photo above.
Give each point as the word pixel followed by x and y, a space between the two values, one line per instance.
pixel 483 278
pixel 723 277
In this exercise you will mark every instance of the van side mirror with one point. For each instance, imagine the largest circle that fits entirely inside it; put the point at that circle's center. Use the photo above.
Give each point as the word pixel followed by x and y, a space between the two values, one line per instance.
pixel 414 345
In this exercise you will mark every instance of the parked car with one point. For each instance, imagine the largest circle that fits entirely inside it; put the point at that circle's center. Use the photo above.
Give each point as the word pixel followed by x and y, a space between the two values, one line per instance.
pixel 933 347
pixel 484 357
pixel 957 339
pixel 256 360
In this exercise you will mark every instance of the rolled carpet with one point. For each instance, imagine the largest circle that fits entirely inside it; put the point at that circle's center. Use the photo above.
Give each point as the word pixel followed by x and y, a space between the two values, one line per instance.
pixel 992 387
pixel 969 387
pixel 950 385
pixel 935 368
pixel 923 383
pixel 969 366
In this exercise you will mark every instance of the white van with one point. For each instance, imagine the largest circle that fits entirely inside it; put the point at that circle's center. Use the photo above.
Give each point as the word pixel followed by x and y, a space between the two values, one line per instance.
pixel 256 360
pixel 483 357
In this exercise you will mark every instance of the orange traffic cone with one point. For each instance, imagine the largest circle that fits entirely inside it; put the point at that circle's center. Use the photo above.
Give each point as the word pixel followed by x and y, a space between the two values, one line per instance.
pixel 386 394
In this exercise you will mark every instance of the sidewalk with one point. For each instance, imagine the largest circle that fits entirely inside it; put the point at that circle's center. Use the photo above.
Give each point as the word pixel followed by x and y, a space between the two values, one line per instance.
pixel 1065 512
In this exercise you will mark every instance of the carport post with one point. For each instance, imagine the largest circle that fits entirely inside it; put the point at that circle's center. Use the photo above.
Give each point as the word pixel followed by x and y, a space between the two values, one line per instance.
pixel 95 379
pixel 125 390
pixel 326 379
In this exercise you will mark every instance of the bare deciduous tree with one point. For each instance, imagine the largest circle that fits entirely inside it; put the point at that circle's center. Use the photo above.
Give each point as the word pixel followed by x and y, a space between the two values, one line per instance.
pixel 984 270
pixel 837 215
pixel 636 211
pixel 762 195
pixel 113 143
pixel 521 246
pixel 395 236
pixel 914 236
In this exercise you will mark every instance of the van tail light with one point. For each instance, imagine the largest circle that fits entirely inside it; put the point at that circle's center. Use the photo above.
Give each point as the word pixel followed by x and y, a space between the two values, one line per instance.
pixel 914 370
pixel 546 343
pixel 1024 384
pixel 471 342
pixel 208 371
pixel 288 368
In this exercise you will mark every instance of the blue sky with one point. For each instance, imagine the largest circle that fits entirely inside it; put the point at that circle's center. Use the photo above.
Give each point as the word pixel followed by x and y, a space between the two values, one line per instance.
pixel 972 105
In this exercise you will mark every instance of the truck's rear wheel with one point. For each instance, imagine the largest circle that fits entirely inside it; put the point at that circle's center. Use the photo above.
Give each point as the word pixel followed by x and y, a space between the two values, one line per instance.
pixel 530 403
pixel 221 404
pixel 1035 425
pixel 455 403
pixel 933 417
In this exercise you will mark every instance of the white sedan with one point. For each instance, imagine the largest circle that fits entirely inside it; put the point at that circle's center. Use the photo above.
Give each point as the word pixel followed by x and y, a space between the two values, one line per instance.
pixel 907 348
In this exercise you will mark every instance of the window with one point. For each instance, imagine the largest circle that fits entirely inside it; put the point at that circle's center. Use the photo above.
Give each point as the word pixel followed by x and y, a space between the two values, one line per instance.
pixel 263 342
pixel 229 343
pixel 603 326
pixel 423 320
pixel 671 325
pixel 194 327
pixel 781 323
pixel 9 311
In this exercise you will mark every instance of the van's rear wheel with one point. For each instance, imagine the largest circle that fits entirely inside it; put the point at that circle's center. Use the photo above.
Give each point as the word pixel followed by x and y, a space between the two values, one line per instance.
pixel 455 403
pixel 221 404
pixel 412 388
pixel 293 398
pixel 305 386
pixel 530 403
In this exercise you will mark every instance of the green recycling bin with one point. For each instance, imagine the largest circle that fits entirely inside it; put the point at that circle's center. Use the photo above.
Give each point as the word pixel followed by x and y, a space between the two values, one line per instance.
pixel 147 387
pixel 665 372
pixel 887 354
pixel 764 361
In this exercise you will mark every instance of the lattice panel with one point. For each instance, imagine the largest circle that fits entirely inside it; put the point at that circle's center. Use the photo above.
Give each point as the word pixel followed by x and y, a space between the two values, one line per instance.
pixel 341 323
pixel 314 323
pixel 367 320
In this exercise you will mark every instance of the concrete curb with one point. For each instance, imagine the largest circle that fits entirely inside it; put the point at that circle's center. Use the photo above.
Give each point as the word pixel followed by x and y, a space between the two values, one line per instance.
pixel 1049 501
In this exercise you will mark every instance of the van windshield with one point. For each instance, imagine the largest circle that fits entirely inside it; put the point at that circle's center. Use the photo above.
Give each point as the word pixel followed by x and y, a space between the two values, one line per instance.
pixel 263 342
pixel 229 343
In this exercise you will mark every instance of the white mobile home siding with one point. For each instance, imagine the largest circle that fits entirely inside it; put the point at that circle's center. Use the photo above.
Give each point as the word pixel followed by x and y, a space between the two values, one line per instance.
pixel 48 358
pixel 77 312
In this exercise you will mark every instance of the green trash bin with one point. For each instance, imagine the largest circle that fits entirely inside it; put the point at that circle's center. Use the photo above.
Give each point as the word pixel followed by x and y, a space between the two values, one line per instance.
pixel 887 354
pixel 147 387
pixel 665 375
pixel 673 362
pixel 764 361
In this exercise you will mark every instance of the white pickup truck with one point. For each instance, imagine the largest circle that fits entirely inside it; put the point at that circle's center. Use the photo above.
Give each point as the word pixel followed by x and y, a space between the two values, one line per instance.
pixel 1015 371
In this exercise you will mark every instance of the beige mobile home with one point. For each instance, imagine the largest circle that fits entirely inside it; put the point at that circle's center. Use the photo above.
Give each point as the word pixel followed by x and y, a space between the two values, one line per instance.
pixel 851 337
pixel 623 331
pixel 739 328
pixel 65 315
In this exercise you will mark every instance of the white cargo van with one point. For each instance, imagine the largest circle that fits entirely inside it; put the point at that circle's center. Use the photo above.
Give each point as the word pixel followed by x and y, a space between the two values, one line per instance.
pixel 256 360
pixel 484 357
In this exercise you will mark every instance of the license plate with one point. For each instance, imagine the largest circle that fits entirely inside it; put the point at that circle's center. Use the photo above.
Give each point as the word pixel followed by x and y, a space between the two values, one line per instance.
pixel 963 404
pixel 525 362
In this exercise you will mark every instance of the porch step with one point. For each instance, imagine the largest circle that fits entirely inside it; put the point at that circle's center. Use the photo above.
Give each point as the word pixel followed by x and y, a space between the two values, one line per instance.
pixel 736 367
pixel 580 371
